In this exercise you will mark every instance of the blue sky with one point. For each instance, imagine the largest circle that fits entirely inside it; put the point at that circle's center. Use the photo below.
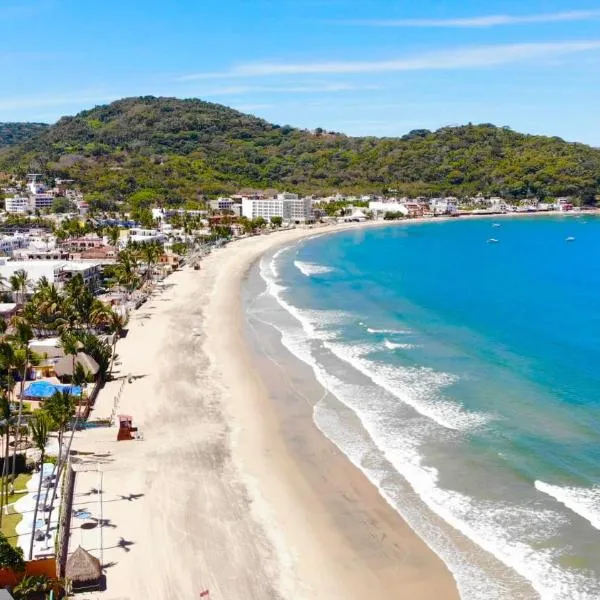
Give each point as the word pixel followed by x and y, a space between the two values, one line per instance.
pixel 369 67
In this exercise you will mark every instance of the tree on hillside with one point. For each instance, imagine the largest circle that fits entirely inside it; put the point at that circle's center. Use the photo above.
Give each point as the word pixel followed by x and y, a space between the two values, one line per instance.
pixel 63 205
pixel 147 151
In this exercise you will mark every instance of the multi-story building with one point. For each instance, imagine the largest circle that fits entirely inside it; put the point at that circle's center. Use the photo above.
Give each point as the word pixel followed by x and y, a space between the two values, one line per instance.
pixel 10 243
pixel 145 236
pixel 42 201
pixel 222 204
pixel 58 272
pixel 267 209
pixel 17 205
pixel 292 209
pixel 91 273
pixel 443 206
pixel 298 210
pixel 287 196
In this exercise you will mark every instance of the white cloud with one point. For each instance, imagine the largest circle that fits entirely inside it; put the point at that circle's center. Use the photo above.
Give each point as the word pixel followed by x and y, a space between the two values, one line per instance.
pixel 465 58
pixel 484 21
pixel 236 90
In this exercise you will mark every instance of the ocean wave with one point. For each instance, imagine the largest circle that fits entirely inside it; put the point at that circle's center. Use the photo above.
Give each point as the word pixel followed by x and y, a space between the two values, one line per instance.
pixel 512 534
pixel 310 269
pixel 395 346
pixel 418 387
pixel 473 582
pixel 515 535
pixel 585 502
pixel 388 331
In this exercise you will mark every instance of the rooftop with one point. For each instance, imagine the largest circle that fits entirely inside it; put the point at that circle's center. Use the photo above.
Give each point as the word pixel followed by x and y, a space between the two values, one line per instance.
pixel 36 269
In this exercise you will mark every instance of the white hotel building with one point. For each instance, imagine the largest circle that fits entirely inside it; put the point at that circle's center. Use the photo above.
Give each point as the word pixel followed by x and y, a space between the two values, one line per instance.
pixel 17 205
pixel 287 206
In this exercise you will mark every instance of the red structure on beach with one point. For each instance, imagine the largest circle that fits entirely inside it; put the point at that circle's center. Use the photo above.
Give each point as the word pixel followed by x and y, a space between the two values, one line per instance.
pixel 126 428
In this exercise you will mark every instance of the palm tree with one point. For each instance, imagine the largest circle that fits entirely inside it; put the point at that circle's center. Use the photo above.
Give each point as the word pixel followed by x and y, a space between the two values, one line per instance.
pixel 70 345
pixel 80 303
pixel 5 416
pixel 31 586
pixel 126 271
pixel 22 358
pixel 97 348
pixel 61 408
pixel 115 322
pixel 150 254
pixel 113 236
pixel 7 362
pixel 40 428
pixel 19 282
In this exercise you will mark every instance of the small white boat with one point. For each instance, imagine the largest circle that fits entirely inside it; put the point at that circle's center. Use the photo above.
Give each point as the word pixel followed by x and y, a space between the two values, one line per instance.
pixel 570 239
pixel 496 225
pixel 492 241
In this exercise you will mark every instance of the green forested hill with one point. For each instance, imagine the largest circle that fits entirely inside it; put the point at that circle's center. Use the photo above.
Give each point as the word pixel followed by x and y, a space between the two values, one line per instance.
pixel 16 133
pixel 178 150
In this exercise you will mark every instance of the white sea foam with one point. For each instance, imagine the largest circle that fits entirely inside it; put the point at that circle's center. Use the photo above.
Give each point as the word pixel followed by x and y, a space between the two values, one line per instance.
pixel 394 346
pixel 509 532
pixel 418 387
pixel 513 534
pixel 389 331
pixel 583 501
pixel 472 581
pixel 310 269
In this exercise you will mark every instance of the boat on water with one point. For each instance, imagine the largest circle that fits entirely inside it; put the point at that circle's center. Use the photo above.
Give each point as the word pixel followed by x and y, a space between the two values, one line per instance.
pixel 496 225
pixel 570 239
pixel 492 241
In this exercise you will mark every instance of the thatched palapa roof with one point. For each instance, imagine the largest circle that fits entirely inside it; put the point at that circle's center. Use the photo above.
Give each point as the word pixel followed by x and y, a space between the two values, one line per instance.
pixel 65 365
pixel 82 567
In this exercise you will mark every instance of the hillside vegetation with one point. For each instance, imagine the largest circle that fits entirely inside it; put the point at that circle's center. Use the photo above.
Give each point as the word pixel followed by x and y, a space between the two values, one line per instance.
pixel 16 133
pixel 147 149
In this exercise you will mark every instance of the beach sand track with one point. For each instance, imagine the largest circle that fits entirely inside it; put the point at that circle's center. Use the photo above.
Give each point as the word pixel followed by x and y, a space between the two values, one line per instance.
pixel 212 499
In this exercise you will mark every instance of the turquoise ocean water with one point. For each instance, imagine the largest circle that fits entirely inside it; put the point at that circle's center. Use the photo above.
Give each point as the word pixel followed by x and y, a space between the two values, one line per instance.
pixel 474 371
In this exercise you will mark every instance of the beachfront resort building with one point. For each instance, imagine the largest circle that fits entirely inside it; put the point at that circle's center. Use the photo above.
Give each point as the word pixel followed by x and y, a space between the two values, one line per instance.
pixel 380 208
pixel 58 272
pixel 145 236
pixel 267 209
pixel 287 206
pixel 443 206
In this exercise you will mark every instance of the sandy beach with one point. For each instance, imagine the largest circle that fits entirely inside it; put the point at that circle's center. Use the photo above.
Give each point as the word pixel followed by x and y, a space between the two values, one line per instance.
pixel 226 493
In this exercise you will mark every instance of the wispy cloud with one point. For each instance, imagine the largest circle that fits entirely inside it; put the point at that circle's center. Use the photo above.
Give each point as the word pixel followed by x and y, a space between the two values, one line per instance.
pixel 464 58
pixel 238 90
pixel 483 21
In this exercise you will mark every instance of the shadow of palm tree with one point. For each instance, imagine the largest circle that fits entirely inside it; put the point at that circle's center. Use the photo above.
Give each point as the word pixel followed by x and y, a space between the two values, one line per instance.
pixel 124 544
pixel 104 522
pixel 131 497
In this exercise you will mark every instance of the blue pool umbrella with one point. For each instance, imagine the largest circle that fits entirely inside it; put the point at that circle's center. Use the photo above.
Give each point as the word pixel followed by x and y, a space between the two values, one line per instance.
pixel 46 389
